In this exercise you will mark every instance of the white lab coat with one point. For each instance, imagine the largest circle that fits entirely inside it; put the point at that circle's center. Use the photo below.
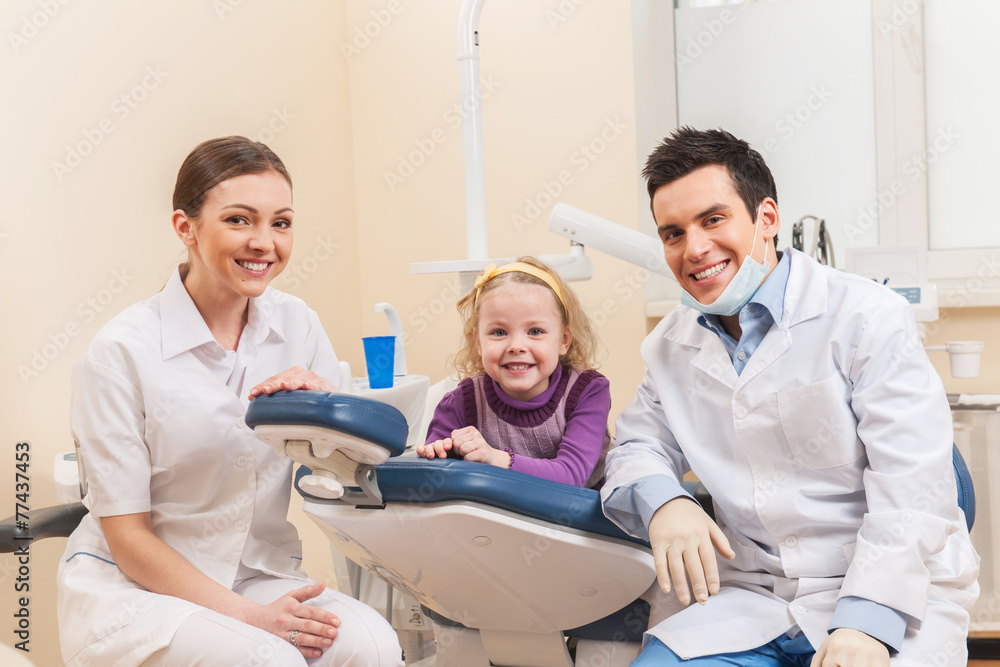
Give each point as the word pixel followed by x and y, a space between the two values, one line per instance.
pixel 829 461
pixel 160 432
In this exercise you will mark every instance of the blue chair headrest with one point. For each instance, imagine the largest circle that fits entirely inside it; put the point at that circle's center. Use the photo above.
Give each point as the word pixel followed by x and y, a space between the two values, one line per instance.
pixel 363 418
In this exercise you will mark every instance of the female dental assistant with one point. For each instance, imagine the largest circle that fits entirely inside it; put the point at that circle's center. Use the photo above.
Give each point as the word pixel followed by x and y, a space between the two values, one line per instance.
pixel 186 557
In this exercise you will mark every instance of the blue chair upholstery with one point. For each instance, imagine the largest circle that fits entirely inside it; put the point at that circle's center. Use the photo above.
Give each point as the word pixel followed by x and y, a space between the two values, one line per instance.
pixel 966 491
pixel 362 418
pixel 408 480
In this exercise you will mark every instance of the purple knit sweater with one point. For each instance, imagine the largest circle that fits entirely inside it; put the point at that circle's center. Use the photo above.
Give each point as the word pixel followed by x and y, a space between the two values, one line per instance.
pixel 561 434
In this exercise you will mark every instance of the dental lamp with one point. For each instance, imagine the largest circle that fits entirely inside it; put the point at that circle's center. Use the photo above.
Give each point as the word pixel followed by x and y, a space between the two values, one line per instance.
pixel 582 228
pixel 587 229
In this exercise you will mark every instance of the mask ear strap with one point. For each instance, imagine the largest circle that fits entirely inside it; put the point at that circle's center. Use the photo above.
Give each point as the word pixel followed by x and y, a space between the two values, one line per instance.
pixel 756 222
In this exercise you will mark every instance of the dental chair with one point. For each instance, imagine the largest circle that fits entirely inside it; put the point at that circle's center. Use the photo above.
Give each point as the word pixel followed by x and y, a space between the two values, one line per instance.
pixel 511 565
pixel 527 562
pixel 523 561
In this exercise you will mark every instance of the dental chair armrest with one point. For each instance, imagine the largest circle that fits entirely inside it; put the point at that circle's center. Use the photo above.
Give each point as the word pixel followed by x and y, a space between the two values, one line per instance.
pixel 363 418
pixel 57 521
pixel 338 436
pixel 422 481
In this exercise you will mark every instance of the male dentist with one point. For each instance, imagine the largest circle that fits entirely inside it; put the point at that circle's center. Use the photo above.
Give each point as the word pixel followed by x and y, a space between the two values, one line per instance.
pixel 803 400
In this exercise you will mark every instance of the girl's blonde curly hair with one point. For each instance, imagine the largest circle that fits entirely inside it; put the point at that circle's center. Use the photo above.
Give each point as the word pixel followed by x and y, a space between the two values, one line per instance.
pixel 582 352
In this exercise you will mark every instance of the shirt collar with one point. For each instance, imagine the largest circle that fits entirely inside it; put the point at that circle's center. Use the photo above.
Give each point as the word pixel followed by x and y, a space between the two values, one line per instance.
pixel 770 295
pixel 183 328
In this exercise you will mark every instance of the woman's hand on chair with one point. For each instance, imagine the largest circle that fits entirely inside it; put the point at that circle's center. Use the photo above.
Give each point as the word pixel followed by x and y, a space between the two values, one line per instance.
pixel 310 629
pixel 294 378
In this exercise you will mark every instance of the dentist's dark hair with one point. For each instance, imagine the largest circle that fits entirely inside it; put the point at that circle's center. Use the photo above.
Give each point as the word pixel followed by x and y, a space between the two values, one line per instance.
pixel 217 160
pixel 688 149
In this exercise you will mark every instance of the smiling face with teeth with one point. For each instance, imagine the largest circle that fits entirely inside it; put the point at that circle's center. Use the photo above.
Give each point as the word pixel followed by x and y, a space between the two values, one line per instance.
pixel 241 239
pixel 520 337
pixel 706 230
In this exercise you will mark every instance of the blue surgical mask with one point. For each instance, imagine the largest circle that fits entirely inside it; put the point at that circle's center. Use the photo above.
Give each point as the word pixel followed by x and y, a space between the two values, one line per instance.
pixel 740 289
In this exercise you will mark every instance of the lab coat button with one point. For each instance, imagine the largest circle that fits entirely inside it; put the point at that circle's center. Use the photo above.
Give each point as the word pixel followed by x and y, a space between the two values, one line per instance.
pixel 800 609
pixel 241 461
pixel 765 485
pixel 741 412
pixel 240 526
pixel 791 541
pixel 240 423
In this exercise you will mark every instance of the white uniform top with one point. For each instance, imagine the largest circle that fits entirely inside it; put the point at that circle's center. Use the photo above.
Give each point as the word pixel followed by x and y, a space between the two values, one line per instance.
pixel 157 410
pixel 828 459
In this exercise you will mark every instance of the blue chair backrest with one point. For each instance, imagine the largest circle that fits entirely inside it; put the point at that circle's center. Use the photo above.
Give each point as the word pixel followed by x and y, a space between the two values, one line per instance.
pixel 966 492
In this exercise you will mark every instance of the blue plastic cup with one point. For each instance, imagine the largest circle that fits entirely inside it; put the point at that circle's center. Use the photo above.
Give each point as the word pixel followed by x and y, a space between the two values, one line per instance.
pixel 380 357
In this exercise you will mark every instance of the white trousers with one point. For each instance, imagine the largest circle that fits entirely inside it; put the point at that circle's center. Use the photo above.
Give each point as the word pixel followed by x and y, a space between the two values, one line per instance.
pixel 210 639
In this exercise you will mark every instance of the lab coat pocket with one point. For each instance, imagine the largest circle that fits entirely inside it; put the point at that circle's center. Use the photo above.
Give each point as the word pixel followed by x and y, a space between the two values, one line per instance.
pixel 819 424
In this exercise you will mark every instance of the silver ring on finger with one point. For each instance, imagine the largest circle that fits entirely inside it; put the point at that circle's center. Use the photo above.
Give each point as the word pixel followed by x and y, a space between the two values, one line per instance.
pixel 292 637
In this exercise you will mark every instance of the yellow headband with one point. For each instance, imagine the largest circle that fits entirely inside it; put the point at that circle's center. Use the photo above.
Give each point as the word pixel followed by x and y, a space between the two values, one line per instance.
pixel 492 272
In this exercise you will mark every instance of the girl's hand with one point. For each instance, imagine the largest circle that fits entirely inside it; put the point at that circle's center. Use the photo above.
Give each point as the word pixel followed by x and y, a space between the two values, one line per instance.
pixel 294 378
pixel 470 444
pixel 438 448
pixel 316 627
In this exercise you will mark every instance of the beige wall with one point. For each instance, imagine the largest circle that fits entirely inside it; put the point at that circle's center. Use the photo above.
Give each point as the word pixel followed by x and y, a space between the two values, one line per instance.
pixel 343 120
pixel 263 65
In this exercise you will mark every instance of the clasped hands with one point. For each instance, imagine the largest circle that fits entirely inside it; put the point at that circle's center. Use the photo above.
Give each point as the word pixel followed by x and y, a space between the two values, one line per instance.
pixel 470 444
pixel 684 540
pixel 315 627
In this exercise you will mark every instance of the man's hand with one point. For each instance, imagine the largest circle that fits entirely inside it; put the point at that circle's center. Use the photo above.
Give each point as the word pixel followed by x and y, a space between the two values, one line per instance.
pixel 851 648
pixel 684 541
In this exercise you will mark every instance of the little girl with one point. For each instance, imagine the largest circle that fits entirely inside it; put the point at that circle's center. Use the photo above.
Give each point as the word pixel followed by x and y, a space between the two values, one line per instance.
pixel 528 400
